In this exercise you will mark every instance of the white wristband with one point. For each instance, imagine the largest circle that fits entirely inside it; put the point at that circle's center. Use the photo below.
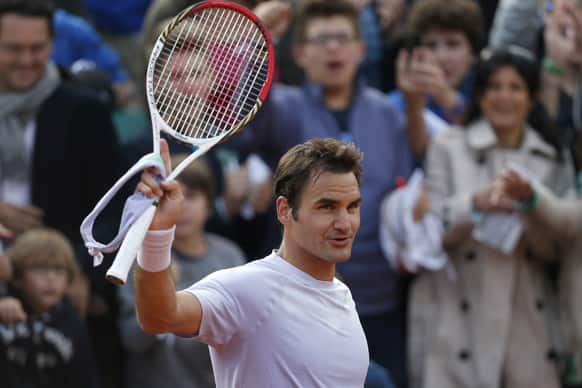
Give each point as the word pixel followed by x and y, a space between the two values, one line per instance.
pixel 155 253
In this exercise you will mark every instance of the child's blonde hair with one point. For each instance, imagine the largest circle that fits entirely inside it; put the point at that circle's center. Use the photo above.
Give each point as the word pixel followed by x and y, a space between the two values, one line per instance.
pixel 42 247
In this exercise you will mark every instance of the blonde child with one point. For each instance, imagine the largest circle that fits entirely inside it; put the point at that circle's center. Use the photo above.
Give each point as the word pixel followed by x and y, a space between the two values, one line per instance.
pixel 49 346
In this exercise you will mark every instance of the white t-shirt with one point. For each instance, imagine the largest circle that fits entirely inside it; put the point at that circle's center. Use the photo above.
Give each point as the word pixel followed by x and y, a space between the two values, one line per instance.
pixel 270 324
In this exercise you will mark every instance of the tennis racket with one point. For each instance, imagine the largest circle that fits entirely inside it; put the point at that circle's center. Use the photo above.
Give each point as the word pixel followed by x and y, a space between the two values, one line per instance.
pixel 208 74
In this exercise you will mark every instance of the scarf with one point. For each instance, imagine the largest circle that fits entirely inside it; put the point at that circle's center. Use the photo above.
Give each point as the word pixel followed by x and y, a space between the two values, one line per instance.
pixel 17 109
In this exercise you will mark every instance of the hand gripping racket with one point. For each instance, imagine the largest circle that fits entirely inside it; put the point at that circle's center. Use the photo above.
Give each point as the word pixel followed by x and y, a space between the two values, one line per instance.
pixel 208 74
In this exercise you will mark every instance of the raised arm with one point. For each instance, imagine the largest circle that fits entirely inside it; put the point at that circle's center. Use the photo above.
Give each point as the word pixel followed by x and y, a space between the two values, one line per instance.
pixel 159 308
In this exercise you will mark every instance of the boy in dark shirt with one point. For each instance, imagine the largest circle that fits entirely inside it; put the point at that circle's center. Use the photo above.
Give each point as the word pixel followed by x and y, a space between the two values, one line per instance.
pixel 50 348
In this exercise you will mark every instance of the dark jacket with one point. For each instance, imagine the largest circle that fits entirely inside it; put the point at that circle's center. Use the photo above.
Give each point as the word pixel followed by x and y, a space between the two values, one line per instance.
pixel 76 159
pixel 47 350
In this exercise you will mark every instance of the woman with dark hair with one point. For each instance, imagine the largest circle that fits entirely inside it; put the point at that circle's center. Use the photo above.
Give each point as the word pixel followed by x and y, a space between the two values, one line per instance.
pixel 486 319
pixel 526 65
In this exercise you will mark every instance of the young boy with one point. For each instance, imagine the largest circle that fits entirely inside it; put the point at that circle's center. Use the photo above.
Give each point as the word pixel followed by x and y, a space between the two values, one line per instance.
pixel 434 78
pixel 166 360
pixel 50 347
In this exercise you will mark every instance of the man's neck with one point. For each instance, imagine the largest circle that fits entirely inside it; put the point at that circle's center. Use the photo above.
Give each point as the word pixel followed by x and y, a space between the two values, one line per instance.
pixel 313 266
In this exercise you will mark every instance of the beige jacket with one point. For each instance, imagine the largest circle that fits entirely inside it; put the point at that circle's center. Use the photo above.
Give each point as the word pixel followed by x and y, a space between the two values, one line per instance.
pixel 486 319
pixel 566 216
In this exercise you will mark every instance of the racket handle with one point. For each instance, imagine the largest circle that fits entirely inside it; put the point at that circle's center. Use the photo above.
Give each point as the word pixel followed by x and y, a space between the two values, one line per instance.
pixel 117 273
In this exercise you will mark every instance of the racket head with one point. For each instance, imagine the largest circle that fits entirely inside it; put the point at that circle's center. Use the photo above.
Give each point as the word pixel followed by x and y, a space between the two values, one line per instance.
pixel 209 72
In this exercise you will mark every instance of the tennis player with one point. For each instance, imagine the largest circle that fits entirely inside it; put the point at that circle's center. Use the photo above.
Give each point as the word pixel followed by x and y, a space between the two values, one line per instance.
pixel 284 320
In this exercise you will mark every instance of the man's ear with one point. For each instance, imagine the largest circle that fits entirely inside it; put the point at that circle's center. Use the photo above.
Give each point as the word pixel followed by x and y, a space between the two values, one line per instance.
pixel 284 211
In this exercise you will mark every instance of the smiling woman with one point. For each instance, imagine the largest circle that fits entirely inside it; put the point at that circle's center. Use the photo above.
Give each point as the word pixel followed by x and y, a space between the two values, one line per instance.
pixel 505 90
pixel 486 316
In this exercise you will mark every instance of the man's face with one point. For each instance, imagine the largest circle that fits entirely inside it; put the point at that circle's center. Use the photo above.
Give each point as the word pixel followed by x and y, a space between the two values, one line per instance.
pixel 328 217
pixel 331 52
pixel 25 45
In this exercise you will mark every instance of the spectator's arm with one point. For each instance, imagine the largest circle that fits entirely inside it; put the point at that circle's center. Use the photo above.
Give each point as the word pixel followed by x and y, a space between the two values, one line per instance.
pixel 11 310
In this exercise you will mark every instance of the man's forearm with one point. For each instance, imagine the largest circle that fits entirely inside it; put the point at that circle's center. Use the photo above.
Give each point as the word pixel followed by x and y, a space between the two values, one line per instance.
pixel 155 291
pixel 155 300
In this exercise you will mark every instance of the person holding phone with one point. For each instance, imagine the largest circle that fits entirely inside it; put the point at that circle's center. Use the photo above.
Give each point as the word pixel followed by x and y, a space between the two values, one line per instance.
pixel 434 74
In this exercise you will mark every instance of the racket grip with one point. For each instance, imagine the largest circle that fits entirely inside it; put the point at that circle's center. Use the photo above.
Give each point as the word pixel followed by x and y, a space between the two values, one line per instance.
pixel 117 273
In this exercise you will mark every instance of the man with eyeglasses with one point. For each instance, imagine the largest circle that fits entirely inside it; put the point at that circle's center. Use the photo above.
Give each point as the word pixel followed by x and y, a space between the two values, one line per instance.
pixel 333 102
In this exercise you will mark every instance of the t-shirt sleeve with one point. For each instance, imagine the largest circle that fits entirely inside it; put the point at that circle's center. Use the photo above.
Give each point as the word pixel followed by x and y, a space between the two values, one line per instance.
pixel 221 313
pixel 234 301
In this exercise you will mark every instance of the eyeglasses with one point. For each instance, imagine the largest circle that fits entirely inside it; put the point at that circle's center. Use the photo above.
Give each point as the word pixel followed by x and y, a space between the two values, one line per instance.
pixel 325 39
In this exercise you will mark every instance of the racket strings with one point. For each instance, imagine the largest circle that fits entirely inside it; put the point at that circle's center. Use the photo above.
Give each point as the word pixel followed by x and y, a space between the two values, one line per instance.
pixel 210 72
pixel 231 84
pixel 221 61
pixel 195 100
pixel 175 78
pixel 233 70
pixel 213 97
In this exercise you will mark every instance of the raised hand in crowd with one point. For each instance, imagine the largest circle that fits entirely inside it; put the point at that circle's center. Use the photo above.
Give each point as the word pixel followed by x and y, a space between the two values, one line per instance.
pixel 276 15
pixel 11 310
pixel 390 13
pixel 415 96
pixel 18 218
pixel 5 233
pixel 420 75
pixel 563 34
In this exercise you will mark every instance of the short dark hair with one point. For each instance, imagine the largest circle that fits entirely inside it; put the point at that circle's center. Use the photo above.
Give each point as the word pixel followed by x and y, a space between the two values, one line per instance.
pixel 196 176
pixel 526 65
pixel 32 8
pixel 490 61
pixel 308 160
pixel 316 9
pixel 457 15
pixel 42 246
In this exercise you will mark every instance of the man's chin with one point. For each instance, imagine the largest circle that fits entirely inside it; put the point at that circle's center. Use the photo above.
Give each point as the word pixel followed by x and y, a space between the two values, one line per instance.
pixel 341 257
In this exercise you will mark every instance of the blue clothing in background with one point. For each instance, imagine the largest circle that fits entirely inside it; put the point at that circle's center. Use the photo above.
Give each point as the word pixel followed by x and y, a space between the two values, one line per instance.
pixel 396 98
pixel 377 377
pixel 118 16
pixel 292 115
pixel 371 67
pixel 76 39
